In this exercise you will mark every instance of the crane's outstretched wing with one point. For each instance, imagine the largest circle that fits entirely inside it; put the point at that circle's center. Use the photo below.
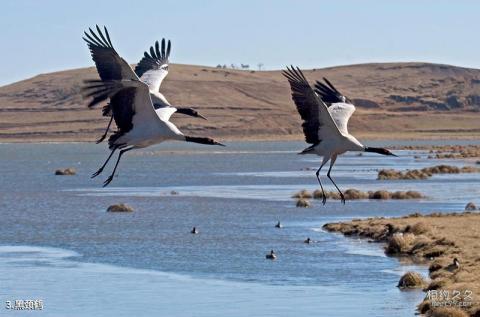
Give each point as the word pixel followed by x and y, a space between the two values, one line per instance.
pixel 110 65
pixel 328 92
pixel 153 67
pixel 341 113
pixel 317 122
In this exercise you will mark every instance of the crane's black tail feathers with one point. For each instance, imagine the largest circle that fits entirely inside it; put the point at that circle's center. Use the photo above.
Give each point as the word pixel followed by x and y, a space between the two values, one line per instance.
pixel 100 90
pixel 310 149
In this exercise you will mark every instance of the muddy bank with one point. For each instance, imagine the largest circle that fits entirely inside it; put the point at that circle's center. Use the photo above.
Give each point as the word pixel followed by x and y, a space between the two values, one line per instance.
pixel 448 151
pixel 424 173
pixel 436 239
pixel 355 194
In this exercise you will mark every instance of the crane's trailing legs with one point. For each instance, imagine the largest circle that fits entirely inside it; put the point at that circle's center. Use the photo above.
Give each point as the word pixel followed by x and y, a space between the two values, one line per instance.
pixel 106 131
pixel 100 170
pixel 110 178
pixel 333 159
pixel 324 197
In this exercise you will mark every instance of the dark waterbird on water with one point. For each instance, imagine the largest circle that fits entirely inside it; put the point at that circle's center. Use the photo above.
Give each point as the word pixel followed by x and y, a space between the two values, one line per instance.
pixel 139 124
pixel 271 255
pixel 325 127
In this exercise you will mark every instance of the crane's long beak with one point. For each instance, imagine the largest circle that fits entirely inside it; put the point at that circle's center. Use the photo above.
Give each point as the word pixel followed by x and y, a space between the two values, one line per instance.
pixel 200 116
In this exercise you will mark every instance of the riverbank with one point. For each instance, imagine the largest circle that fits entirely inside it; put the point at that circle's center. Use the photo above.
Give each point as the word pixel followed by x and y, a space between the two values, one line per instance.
pixel 436 240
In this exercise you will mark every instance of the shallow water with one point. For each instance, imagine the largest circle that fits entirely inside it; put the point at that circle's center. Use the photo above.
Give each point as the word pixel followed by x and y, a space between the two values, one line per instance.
pixel 58 244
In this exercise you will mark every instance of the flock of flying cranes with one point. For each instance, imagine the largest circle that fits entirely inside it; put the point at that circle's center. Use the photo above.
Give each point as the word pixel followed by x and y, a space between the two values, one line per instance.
pixel 142 114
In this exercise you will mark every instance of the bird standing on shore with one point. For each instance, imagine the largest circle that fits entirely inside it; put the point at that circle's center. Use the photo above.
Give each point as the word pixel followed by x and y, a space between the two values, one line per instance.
pixel 139 124
pixel 151 69
pixel 454 266
pixel 325 127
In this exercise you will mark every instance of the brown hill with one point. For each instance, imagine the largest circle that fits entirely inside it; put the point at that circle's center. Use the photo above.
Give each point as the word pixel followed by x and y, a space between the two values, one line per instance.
pixel 394 100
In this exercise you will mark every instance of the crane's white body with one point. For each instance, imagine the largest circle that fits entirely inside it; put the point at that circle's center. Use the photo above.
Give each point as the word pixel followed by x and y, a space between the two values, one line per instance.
pixel 150 126
pixel 334 133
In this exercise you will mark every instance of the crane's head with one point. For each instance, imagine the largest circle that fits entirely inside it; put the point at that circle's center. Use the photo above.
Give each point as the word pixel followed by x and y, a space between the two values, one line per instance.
pixel 379 150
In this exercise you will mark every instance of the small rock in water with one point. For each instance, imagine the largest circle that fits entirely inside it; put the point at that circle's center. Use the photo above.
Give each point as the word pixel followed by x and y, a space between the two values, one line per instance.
pixel 411 280
pixel 66 171
pixel 303 203
pixel 470 207
pixel 119 208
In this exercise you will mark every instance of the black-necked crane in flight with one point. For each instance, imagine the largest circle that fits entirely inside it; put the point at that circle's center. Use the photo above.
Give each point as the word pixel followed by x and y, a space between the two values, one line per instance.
pixel 325 127
pixel 139 124
pixel 152 70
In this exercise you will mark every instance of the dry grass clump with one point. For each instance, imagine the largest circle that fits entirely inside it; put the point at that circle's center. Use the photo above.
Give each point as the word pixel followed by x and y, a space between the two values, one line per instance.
pixel 420 228
pixel 317 194
pixel 303 203
pixel 411 280
pixel 355 194
pixel 448 312
pixel 470 207
pixel 119 208
pixel 380 194
pixel 391 174
pixel 303 194
pixel 352 194
pixel 400 243
pixel 457 152
pixel 448 151
pixel 436 265
pixel 424 173
pixel 66 171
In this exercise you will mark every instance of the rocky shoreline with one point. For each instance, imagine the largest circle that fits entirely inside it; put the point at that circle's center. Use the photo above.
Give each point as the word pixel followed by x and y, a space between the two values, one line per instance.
pixel 436 240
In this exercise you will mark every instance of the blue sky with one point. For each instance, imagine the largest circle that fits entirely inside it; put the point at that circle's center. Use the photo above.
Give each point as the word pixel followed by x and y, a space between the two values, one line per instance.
pixel 45 36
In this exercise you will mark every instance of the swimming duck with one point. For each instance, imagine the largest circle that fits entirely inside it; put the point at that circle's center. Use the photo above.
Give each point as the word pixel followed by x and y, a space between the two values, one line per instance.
pixel 194 230
pixel 278 225
pixel 271 255
pixel 308 240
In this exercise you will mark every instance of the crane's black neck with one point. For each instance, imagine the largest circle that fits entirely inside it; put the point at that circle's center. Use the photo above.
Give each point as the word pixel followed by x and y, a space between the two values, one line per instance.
pixel 378 150
pixel 208 141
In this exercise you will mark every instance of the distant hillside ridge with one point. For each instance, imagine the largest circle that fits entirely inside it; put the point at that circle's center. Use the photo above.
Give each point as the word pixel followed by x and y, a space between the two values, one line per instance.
pixel 393 100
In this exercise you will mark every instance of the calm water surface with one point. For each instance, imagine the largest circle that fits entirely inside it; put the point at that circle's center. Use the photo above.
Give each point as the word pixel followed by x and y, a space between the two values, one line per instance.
pixel 58 244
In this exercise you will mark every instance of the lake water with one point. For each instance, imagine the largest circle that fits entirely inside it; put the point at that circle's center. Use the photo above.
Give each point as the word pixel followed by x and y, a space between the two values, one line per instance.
pixel 59 245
